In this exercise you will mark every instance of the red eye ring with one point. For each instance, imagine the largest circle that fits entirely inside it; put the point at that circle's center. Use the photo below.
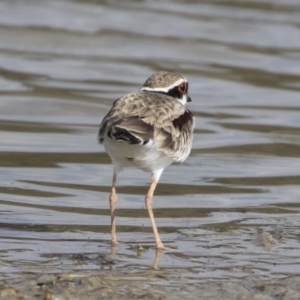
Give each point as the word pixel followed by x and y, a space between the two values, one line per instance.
pixel 182 87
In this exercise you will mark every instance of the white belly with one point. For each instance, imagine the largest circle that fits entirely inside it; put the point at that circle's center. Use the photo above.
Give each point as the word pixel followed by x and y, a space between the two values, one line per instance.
pixel 144 157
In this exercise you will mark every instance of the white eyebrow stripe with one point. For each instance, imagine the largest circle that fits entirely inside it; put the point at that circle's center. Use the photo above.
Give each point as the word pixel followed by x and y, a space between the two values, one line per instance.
pixel 165 89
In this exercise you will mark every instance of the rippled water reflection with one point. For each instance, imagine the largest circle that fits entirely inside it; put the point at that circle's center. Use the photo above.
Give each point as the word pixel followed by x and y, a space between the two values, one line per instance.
pixel 61 66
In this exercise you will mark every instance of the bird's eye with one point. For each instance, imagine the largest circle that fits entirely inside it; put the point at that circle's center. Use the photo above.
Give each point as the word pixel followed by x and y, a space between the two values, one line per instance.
pixel 182 88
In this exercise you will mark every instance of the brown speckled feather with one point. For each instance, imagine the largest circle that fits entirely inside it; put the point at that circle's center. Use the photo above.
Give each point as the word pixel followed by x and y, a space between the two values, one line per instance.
pixel 162 79
pixel 150 116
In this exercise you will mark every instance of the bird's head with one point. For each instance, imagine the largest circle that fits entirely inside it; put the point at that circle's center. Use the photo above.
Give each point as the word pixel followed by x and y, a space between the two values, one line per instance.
pixel 171 84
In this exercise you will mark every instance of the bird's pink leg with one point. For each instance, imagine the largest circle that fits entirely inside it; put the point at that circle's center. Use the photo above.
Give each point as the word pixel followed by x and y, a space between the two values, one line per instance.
pixel 148 202
pixel 112 204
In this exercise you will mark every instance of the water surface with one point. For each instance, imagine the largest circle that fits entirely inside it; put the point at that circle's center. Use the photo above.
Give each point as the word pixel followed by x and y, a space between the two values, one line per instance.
pixel 63 63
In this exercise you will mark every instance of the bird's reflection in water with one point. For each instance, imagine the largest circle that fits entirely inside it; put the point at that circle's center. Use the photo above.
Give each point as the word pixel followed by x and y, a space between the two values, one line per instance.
pixel 158 255
pixel 140 250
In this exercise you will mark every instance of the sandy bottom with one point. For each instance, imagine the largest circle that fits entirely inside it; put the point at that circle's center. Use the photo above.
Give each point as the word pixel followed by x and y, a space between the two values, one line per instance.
pixel 152 284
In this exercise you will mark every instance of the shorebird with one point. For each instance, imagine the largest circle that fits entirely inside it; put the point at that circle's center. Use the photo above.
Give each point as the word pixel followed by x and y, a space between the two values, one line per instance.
pixel 149 130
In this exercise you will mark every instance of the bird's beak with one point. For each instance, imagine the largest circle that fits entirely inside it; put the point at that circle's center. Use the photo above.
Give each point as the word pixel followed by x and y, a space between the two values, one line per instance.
pixel 189 99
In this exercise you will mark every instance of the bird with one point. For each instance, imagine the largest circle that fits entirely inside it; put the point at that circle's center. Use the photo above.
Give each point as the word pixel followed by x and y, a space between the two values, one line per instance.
pixel 149 130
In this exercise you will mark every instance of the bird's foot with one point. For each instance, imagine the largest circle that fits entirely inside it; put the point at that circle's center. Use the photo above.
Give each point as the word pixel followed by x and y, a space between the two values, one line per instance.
pixel 114 242
pixel 160 246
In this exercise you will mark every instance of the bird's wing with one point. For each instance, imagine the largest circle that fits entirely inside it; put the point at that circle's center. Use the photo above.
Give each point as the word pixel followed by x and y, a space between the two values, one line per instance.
pixel 139 117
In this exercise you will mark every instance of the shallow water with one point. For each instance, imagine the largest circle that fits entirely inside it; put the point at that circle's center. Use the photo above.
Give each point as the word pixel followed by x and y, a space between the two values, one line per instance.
pixel 61 66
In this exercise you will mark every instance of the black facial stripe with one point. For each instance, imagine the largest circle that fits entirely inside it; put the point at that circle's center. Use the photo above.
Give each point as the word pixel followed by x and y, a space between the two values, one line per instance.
pixel 173 93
